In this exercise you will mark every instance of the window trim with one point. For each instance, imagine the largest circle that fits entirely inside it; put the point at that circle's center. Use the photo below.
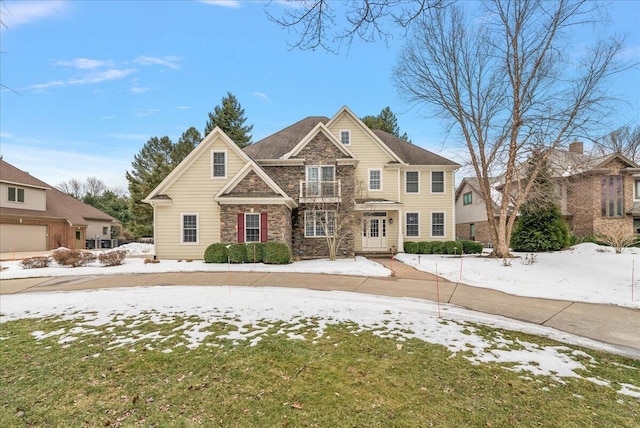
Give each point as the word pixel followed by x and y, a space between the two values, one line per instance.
pixel 636 189
pixel 406 224
pixel 406 182
pixel 464 198
pixel 16 194
pixel 315 227
pixel 348 131
pixel 444 183
pixel 444 225
pixel 617 200
pixel 226 165
pixel 379 170
pixel 253 228
pixel 182 229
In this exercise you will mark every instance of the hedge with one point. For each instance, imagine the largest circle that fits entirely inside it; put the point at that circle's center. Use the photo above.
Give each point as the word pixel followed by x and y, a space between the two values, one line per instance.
pixel 471 247
pixel 453 248
pixel 255 251
pixel 216 253
pixel 276 253
pixel 411 247
pixel 237 253
pixel 439 247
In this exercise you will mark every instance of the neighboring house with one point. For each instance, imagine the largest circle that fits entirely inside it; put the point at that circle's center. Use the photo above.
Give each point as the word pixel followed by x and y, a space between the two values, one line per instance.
pixel 597 195
pixel 37 217
pixel 471 211
pixel 283 187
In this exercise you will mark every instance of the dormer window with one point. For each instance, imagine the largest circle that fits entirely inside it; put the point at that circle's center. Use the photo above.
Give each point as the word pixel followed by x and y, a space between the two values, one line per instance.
pixel 16 194
pixel 345 137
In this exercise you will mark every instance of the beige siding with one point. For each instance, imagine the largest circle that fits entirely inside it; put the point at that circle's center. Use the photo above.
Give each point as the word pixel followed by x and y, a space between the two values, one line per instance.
pixel 34 199
pixel 95 228
pixel 192 193
pixel 475 212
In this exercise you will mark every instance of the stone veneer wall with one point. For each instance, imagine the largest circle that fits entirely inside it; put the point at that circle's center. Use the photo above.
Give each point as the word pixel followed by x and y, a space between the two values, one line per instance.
pixel 278 221
pixel 483 232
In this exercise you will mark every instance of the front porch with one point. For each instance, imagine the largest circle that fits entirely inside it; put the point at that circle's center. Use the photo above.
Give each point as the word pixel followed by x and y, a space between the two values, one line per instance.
pixel 378 228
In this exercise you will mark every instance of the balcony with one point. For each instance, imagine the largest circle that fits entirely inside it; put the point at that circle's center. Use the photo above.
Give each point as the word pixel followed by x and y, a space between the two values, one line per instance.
pixel 320 191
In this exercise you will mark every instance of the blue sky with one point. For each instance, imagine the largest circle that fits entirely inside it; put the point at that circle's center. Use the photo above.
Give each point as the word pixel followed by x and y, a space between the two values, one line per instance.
pixel 91 81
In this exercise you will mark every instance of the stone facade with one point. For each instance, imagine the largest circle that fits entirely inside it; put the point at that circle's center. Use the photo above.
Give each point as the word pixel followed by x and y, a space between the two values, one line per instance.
pixel 278 221
pixel 483 232
pixel 252 185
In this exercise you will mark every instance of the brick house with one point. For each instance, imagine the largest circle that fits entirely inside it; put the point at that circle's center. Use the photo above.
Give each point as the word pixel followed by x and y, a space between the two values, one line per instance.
pixel 296 185
pixel 37 217
pixel 597 195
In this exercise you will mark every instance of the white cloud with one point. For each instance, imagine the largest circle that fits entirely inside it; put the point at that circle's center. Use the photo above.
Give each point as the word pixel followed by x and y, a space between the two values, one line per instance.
pixel 232 4
pixel 182 108
pixel 85 63
pixel 14 14
pixel 102 76
pixel 145 112
pixel 138 90
pixel 167 61
pixel 261 95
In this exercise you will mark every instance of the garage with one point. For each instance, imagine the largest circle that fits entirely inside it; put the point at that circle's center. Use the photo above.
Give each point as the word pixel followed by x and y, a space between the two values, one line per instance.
pixel 22 237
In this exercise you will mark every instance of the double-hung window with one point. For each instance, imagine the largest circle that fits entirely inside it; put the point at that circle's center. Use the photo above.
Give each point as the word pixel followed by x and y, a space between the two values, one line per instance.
pixel 412 181
pixel 612 195
pixel 319 223
pixel 189 228
pixel 252 227
pixel 15 194
pixel 412 225
pixel 375 179
pixel 437 182
pixel 437 224
pixel 321 181
pixel 219 164
pixel 467 198
pixel 345 137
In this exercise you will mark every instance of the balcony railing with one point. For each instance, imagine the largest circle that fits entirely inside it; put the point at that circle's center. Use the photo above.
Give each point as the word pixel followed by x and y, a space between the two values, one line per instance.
pixel 320 191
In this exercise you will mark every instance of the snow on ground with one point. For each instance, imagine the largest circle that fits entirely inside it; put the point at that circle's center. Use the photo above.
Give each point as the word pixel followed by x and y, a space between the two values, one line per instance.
pixel 94 311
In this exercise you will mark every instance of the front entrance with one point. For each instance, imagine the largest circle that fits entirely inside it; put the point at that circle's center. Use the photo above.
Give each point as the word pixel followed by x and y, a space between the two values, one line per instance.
pixel 374 231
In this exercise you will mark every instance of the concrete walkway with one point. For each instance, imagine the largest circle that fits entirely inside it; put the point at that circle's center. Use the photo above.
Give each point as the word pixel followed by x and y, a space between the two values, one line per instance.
pixel 614 325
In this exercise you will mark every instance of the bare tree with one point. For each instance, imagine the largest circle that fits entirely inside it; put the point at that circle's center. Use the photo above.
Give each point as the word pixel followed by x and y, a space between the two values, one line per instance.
pixel 72 187
pixel 93 186
pixel 624 140
pixel 506 84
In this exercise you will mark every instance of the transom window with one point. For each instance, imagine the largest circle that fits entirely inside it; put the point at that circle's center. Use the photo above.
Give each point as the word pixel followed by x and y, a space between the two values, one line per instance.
pixel 16 194
pixel 412 182
pixel 612 192
pixel 219 164
pixel 252 227
pixel 413 225
pixel 319 223
pixel 189 228
pixel 345 137
pixel 467 198
pixel 437 182
pixel 375 179
pixel 437 224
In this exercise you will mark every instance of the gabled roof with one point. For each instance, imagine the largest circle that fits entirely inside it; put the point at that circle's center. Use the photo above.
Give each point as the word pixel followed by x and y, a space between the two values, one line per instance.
pixel 277 145
pixel 474 184
pixel 319 128
pixel 565 163
pixel 410 153
pixel 59 205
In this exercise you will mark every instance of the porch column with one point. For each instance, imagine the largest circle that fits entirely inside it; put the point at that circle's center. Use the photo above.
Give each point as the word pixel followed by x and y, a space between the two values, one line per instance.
pixel 400 229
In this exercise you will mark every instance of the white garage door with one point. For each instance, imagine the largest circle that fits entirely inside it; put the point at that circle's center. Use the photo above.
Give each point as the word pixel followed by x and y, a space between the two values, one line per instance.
pixel 22 237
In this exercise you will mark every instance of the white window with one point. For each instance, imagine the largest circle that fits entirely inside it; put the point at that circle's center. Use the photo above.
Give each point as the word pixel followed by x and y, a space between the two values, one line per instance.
pixel 437 182
pixel 189 228
pixel 252 227
pixel 318 221
pixel 345 137
pixel 412 181
pixel 219 164
pixel 16 194
pixel 412 225
pixel 375 179
pixel 321 181
pixel 437 224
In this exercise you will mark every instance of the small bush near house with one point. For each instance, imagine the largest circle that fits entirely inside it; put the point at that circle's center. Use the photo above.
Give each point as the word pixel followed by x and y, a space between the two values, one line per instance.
pixel 276 253
pixel 255 252
pixel 437 247
pixel 541 229
pixel 237 253
pixel 471 247
pixel 73 258
pixel 425 247
pixel 411 247
pixel 37 262
pixel 216 253
pixel 453 247
pixel 112 258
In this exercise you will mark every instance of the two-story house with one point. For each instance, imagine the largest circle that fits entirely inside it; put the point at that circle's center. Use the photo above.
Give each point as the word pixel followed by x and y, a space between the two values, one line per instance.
pixel 296 185
pixel 597 195
pixel 37 217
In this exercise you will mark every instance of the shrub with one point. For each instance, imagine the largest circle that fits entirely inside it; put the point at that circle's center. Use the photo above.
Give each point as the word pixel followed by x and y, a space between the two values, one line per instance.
pixel 453 247
pixel 237 253
pixel 255 252
pixel 216 253
pixel 437 247
pixel 411 247
pixel 37 262
pixel 112 258
pixel 73 258
pixel 540 229
pixel 276 253
pixel 471 247
pixel 425 247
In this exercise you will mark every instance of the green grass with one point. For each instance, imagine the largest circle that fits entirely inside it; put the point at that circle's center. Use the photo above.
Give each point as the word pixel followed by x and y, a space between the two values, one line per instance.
pixel 341 379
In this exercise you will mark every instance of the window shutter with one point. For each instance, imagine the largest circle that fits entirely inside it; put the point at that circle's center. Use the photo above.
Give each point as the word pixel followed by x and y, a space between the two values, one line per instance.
pixel 240 227
pixel 263 227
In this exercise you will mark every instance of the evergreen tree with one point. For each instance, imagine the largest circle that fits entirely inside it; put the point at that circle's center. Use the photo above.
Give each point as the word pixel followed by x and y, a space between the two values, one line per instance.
pixel 229 116
pixel 187 142
pixel 385 121
pixel 540 226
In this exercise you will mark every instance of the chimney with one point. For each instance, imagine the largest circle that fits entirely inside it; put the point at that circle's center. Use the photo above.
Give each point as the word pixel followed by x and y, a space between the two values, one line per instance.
pixel 576 147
